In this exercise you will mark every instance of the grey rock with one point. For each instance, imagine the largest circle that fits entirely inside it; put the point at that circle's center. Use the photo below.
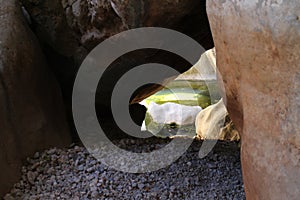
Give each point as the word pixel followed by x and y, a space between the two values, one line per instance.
pixel 31 177
pixel 141 186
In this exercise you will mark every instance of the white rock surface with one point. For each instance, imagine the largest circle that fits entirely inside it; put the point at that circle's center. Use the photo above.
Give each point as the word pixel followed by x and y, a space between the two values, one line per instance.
pixel 204 69
pixel 210 121
pixel 168 113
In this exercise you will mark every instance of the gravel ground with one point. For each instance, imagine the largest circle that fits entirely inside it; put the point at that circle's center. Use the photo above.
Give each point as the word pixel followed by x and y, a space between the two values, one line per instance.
pixel 74 174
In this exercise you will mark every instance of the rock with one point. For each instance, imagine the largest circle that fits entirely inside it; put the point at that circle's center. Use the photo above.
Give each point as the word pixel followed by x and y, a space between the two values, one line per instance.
pixel 204 69
pixel 73 28
pixel 171 114
pixel 70 29
pixel 31 108
pixel 168 113
pixel 51 151
pixel 141 186
pixel 257 45
pixel 36 155
pixel 201 78
pixel 172 188
pixel 229 132
pixel 31 176
pixel 211 123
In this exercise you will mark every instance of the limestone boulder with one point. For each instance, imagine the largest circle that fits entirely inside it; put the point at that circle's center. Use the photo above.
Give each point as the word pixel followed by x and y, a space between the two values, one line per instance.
pixel 168 113
pixel 171 115
pixel 203 70
pixel 213 123
pixel 31 109
pixel 258 51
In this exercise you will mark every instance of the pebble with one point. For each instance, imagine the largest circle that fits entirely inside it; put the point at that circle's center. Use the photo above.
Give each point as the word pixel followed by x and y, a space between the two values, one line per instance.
pixel 74 174
pixel 36 155
pixel 172 188
pixel 141 186
pixel 31 177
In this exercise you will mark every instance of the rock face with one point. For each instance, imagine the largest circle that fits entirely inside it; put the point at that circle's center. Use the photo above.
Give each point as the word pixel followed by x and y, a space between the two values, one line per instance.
pixel 204 69
pixel 70 29
pixel 74 27
pixel 213 123
pixel 168 113
pixel 31 110
pixel 257 45
pixel 171 115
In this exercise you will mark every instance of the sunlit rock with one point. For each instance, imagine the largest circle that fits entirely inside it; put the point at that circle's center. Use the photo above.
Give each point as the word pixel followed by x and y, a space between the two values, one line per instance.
pixel 169 115
pixel 213 123
pixel 204 69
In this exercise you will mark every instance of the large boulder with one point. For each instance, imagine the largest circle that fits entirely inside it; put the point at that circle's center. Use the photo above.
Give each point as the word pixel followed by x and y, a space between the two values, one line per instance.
pixel 70 29
pixel 74 27
pixel 31 109
pixel 258 51
pixel 172 116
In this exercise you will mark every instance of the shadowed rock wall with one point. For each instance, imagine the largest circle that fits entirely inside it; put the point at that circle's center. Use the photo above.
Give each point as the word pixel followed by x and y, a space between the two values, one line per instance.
pixel 32 114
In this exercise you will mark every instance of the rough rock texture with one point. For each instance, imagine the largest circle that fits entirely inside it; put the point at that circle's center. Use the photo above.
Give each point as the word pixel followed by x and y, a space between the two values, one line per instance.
pixel 204 69
pixel 74 27
pixel 214 123
pixel 74 174
pixel 257 45
pixel 70 29
pixel 31 111
pixel 168 113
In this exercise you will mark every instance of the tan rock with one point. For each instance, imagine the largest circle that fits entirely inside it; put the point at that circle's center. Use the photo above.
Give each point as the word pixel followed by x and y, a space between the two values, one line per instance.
pixel 204 69
pixel 213 123
pixel 258 52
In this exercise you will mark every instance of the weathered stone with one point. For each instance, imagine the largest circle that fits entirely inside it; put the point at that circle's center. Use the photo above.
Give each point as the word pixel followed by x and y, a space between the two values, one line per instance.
pixel 204 69
pixel 213 123
pixel 31 110
pixel 171 114
pixel 74 27
pixel 202 79
pixel 257 45
pixel 70 29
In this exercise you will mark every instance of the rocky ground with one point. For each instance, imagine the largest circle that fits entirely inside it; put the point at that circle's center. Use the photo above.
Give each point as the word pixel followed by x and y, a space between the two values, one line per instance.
pixel 74 174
